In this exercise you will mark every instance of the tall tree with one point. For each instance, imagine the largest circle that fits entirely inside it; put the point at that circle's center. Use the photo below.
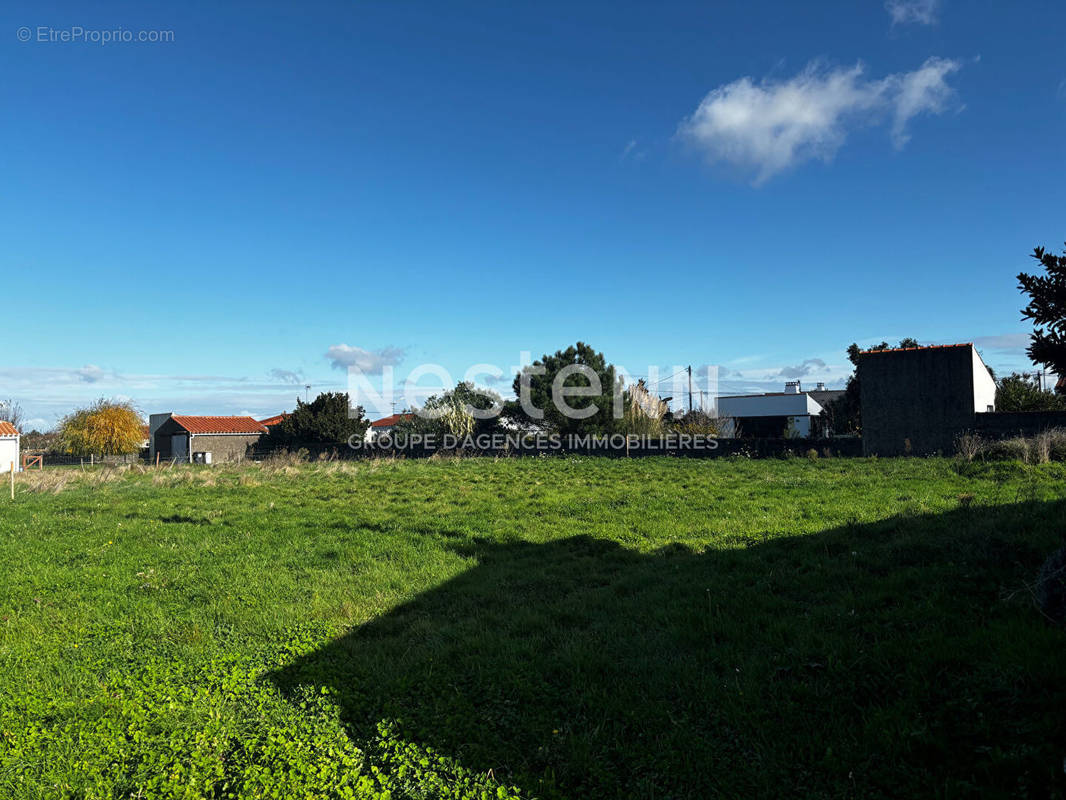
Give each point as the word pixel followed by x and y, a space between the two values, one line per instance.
pixel 1047 310
pixel 586 383
pixel 325 420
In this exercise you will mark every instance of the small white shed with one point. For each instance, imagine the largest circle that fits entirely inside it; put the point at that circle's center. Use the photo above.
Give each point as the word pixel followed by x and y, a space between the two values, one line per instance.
pixel 9 446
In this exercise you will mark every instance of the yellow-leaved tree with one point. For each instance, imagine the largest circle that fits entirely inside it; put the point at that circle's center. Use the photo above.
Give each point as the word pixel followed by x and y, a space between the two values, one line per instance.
pixel 107 427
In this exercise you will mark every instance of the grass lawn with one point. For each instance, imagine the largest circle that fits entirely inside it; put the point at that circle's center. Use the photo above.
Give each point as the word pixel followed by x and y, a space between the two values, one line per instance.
pixel 564 627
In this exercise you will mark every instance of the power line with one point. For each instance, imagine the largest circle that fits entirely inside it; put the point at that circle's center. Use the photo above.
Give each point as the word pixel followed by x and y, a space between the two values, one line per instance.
pixel 679 372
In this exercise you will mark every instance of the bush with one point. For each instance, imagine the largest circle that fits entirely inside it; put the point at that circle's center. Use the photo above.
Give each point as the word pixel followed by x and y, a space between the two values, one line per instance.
pixel 970 445
pixel 1058 444
pixel 1051 587
pixel 1046 446
pixel 325 420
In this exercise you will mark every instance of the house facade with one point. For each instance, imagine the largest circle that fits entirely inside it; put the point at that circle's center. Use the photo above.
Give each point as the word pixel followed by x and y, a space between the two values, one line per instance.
pixel 9 447
pixel 202 439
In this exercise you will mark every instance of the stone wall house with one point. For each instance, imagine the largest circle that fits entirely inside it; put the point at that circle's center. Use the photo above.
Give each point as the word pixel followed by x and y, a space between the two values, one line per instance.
pixel 203 439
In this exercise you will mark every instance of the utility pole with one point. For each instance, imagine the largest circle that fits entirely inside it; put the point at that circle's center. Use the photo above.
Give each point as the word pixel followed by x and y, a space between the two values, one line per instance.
pixel 689 370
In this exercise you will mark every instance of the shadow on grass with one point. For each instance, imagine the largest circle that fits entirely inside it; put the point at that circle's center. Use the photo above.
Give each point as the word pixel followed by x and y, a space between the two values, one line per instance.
pixel 898 658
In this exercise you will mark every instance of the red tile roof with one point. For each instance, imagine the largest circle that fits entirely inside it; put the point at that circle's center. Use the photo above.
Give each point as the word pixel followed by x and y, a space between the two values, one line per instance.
pixel 7 429
pixel 389 421
pixel 911 349
pixel 274 420
pixel 219 424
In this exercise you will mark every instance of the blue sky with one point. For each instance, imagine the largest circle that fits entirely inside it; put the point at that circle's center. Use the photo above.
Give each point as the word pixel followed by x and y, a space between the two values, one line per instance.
pixel 200 224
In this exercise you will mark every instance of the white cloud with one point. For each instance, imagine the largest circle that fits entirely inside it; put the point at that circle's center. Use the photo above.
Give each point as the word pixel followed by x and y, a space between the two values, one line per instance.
pixel 921 12
pixel 803 370
pixel 370 362
pixel 773 125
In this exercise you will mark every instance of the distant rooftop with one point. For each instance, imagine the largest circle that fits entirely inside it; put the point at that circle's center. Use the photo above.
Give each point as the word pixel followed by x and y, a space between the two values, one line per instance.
pixel 389 421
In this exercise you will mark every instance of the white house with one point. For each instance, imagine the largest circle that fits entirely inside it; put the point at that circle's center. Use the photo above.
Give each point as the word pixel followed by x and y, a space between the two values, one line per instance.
pixel 384 426
pixel 9 447
pixel 792 412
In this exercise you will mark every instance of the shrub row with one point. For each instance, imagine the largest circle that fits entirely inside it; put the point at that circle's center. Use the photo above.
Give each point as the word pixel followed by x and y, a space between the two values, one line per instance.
pixel 1047 446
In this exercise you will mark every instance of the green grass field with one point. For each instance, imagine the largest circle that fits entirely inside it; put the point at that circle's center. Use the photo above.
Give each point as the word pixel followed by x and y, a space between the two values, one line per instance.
pixel 581 628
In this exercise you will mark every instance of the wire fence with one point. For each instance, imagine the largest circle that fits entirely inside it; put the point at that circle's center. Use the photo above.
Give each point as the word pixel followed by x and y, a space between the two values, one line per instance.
pixel 35 459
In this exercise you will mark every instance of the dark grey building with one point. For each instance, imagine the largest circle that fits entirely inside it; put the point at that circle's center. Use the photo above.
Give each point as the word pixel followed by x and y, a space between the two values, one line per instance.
pixel 917 401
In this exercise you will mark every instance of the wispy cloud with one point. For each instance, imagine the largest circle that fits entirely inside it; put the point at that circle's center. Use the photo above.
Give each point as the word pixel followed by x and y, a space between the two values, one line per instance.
pixel 631 151
pixel 1006 342
pixel 918 12
pixel 770 126
pixel 286 375
pixel 369 362
pixel 48 393
pixel 91 373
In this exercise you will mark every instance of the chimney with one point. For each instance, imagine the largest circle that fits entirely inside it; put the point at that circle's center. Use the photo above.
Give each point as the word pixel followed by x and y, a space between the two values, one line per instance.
pixel 792 387
pixel 820 387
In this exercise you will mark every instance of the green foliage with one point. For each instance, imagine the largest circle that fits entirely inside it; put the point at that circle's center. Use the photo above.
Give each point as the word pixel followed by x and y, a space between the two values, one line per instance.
pixel 551 628
pixel 1018 392
pixel 1047 310
pixel 536 381
pixel 107 427
pixel 696 422
pixel 844 414
pixel 460 412
pixel 325 420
